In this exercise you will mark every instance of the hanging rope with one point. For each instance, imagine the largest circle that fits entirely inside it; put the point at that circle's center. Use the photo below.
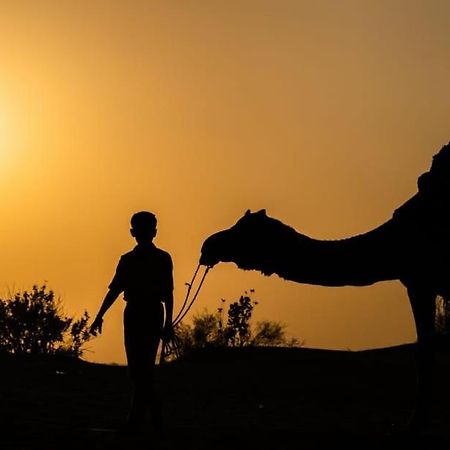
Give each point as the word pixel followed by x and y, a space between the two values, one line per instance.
pixel 181 315
pixel 173 345
pixel 189 285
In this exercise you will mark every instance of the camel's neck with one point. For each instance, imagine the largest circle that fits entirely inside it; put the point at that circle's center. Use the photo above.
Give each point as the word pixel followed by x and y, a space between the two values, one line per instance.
pixel 357 261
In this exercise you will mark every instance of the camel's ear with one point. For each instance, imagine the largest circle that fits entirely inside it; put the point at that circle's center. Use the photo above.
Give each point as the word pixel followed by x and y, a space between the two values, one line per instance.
pixel 247 213
pixel 262 212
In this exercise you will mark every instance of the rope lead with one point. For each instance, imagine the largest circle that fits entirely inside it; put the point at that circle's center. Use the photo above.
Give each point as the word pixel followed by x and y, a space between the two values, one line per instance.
pixel 173 346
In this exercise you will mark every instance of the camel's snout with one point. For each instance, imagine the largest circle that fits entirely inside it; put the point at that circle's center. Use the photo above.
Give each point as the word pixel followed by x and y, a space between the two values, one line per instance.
pixel 211 251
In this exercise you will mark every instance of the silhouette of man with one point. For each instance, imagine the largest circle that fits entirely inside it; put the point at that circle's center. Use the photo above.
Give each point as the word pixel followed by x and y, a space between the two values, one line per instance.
pixel 144 275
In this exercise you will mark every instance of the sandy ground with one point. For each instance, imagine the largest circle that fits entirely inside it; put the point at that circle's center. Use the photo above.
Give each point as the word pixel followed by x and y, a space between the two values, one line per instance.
pixel 263 398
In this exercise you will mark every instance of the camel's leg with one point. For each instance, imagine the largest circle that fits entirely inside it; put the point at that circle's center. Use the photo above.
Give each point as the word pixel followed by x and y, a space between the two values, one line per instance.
pixel 423 307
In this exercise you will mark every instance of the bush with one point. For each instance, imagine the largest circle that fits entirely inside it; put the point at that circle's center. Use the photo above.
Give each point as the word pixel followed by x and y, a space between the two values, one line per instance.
pixel 273 334
pixel 237 332
pixel 269 333
pixel 442 322
pixel 204 332
pixel 207 330
pixel 33 322
pixel 442 316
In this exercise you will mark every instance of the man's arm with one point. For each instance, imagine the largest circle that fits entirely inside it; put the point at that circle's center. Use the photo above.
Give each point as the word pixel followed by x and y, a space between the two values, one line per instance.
pixel 115 288
pixel 109 299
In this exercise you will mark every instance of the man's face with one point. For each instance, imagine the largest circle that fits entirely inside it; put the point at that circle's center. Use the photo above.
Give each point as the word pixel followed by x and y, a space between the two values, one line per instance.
pixel 143 234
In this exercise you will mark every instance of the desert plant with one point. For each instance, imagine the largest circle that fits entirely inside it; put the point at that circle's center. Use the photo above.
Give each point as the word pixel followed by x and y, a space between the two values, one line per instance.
pixel 269 333
pixel 273 334
pixel 211 330
pixel 237 331
pixel 33 322
pixel 442 322
pixel 442 317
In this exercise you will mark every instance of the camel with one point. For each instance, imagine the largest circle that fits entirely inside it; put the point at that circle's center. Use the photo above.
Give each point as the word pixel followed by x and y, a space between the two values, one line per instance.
pixel 413 247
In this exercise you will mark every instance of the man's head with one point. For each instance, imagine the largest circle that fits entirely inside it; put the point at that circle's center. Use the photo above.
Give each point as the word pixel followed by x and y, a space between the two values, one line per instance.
pixel 143 226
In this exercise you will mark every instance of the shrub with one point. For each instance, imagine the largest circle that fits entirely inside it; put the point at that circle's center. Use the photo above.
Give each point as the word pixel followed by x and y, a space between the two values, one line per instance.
pixel 33 322
pixel 208 330
pixel 237 332
pixel 273 334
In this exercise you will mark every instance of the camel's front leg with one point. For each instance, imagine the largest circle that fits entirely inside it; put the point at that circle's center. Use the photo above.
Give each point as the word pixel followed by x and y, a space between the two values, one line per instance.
pixel 423 307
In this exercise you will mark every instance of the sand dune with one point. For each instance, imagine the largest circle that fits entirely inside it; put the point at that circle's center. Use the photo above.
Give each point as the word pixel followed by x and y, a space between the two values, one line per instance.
pixel 241 398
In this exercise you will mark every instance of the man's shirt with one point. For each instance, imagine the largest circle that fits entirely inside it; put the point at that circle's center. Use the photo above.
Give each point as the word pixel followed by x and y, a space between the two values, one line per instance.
pixel 144 275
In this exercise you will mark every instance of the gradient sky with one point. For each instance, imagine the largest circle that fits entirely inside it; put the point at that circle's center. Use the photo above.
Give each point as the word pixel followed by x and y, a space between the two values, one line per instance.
pixel 324 113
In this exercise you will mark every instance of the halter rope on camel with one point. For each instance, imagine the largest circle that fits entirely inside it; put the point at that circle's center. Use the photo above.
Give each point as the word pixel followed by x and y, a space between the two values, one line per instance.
pixel 172 346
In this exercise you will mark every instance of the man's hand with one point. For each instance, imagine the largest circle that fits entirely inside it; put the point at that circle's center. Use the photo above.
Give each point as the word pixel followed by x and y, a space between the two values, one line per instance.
pixel 96 327
pixel 168 333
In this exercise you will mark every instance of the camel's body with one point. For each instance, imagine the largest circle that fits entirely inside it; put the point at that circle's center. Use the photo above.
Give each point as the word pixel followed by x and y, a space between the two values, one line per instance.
pixel 386 253
pixel 413 247
pixel 348 262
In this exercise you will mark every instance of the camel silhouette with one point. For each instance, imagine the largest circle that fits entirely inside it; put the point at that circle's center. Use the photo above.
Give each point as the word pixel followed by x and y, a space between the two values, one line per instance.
pixel 412 247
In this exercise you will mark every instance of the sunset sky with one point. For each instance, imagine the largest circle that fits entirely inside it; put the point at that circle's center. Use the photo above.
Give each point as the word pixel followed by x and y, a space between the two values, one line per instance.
pixel 324 113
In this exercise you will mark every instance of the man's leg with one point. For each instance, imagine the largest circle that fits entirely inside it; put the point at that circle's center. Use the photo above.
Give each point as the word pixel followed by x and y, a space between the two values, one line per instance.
pixel 141 344
pixel 141 370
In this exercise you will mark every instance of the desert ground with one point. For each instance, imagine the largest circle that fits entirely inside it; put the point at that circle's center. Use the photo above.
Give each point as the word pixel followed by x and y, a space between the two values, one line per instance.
pixel 255 398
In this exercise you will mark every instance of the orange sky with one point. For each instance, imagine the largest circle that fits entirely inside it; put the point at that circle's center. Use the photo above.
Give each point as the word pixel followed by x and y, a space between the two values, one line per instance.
pixel 324 113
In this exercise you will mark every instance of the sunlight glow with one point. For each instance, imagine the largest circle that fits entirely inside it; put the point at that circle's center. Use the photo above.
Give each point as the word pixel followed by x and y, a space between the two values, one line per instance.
pixel 324 113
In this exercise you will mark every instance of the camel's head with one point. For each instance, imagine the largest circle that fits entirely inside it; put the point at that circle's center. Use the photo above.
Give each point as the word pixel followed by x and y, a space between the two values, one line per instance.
pixel 245 243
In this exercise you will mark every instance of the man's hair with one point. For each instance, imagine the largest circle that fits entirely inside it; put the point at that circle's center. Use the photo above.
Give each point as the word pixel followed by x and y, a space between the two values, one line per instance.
pixel 143 220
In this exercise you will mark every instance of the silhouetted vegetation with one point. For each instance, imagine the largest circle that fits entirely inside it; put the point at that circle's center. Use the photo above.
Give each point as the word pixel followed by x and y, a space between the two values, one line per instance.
pixel 33 322
pixel 442 321
pixel 234 330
